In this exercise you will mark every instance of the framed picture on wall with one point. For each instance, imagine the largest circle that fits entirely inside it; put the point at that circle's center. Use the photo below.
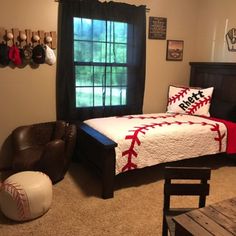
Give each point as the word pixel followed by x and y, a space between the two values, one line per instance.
pixel 174 50
pixel 157 27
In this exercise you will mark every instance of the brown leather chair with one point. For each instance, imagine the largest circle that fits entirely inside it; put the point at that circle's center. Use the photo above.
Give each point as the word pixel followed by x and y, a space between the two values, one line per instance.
pixel 46 147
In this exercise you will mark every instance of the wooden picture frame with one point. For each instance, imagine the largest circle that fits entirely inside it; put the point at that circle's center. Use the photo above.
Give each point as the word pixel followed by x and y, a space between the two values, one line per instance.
pixel 174 50
pixel 157 28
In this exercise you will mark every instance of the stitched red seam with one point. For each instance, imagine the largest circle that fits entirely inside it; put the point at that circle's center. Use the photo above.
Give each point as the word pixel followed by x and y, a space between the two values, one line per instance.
pixel 178 96
pixel 20 196
pixel 130 153
pixel 197 105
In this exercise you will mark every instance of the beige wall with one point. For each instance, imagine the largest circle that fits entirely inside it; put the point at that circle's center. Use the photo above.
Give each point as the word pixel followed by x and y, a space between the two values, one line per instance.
pixel 215 19
pixel 28 95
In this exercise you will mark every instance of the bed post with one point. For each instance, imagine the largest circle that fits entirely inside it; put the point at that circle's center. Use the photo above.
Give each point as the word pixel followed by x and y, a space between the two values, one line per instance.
pixel 108 175
pixel 98 152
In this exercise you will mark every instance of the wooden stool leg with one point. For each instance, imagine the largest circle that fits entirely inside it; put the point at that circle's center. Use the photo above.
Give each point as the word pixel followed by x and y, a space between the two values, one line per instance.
pixel 164 228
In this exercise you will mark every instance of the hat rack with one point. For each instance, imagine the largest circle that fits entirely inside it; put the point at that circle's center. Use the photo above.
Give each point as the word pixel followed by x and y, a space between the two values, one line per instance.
pixel 27 37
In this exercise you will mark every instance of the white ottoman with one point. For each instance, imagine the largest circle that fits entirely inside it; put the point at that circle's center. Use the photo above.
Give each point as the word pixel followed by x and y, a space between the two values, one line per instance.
pixel 26 195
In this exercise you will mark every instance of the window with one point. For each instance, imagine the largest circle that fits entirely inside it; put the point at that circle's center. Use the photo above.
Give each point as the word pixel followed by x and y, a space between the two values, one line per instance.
pixel 101 59
pixel 100 62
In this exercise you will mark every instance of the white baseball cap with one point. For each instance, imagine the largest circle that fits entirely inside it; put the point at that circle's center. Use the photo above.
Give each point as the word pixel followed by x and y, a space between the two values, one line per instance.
pixel 50 57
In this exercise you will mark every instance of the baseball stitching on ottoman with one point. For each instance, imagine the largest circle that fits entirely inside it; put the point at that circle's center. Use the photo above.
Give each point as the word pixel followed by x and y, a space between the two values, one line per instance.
pixel 26 195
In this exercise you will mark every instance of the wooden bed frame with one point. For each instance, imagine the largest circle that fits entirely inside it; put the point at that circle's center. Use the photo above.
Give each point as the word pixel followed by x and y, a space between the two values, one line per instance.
pixel 99 151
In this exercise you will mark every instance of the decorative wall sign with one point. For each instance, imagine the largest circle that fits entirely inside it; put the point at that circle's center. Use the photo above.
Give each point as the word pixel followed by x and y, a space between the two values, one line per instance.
pixel 157 27
pixel 231 40
pixel 174 50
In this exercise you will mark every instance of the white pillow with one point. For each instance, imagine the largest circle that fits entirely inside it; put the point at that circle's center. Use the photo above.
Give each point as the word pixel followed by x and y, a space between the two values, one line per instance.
pixel 191 101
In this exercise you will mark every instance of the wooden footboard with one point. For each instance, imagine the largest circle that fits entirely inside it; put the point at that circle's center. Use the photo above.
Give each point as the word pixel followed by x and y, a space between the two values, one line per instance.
pixel 98 151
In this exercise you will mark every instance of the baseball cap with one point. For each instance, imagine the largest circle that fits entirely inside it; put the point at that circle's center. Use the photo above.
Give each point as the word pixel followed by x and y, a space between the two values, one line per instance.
pixel 27 52
pixel 38 54
pixel 14 55
pixel 4 54
pixel 50 57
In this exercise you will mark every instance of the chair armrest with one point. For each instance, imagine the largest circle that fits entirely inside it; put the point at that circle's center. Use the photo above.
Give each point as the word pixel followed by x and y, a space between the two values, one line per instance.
pixel 21 138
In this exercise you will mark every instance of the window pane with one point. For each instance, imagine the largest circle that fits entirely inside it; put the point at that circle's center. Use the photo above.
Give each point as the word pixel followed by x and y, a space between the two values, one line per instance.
pixel 83 51
pixel 121 30
pixel 123 96
pixel 108 96
pixel 116 53
pixel 116 76
pixel 84 76
pixel 117 32
pixel 117 96
pixel 110 31
pixel 120 53
pixel 82 28
pixel 119 76
pixel 98 96
pixel 99 52
pixel 99 29
pixel 108 76
pixel 110 53
pixel 84 97
pixel 99 75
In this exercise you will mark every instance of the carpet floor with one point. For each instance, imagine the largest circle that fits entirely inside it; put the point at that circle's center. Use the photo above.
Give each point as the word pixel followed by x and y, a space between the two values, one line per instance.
pixel 135 210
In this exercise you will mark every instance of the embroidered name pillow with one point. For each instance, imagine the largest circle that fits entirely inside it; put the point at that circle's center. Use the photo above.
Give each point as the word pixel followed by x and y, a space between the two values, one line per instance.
pixel 191 101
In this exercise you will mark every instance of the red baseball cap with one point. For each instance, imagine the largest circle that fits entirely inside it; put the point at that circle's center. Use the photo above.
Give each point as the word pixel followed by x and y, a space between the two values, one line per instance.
pixel 14 55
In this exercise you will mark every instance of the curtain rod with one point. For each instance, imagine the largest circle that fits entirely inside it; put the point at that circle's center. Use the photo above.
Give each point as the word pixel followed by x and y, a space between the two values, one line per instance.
pixel 147 9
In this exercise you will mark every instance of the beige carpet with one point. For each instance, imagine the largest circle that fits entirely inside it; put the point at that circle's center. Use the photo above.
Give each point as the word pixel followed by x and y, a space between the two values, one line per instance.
pixel 136 209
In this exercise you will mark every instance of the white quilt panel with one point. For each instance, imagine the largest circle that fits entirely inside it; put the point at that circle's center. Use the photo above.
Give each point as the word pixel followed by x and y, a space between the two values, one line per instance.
pixel 150 139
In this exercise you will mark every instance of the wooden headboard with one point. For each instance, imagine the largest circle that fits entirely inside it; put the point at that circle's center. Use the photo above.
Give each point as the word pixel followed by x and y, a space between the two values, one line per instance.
pixel 221 76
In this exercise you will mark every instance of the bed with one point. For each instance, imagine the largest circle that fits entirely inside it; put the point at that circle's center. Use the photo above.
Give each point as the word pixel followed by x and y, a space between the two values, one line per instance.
pixel 100 149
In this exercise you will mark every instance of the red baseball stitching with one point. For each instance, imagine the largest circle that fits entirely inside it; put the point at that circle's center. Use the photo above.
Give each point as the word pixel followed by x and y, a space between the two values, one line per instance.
pixel 19 195
pixel 131 153
pixel 178 96
pixel 197 105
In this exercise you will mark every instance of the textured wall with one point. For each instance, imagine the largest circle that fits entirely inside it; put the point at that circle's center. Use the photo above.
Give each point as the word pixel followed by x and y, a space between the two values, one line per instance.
pixel 215 19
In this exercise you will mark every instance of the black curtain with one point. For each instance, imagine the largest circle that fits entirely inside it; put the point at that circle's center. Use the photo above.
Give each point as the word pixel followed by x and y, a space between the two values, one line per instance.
pixel 65 81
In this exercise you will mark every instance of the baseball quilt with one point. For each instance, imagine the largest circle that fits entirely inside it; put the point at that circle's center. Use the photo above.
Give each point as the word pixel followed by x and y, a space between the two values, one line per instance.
pixel 150 139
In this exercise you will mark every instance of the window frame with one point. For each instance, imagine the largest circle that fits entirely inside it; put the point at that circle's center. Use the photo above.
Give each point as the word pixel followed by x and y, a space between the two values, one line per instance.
pixel 104 64
pixel 113 11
